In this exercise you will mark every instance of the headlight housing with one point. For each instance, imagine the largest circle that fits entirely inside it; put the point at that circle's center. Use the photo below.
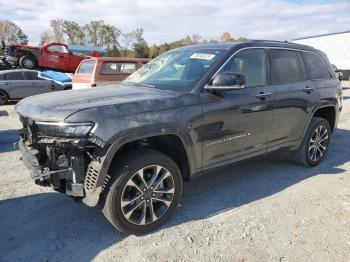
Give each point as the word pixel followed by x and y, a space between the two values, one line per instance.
pixel 64 129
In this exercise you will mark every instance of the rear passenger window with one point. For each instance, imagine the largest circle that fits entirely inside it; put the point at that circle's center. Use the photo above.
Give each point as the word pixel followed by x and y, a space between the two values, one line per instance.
pixel 251 63
pixel 14 76
pixel 286 67
pixel 316 67
pixel 86 67
pixel 114 68
pixel 33 76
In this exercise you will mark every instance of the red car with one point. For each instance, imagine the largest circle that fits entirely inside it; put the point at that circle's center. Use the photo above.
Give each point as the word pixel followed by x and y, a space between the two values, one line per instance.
pixel 51 55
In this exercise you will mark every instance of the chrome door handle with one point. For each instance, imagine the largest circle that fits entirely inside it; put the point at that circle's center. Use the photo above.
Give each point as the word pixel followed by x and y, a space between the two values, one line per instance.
pixel 308 89
pixel 263 96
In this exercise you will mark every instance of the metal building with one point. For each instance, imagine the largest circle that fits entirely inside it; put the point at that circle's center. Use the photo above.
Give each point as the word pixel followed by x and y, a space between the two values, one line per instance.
pixel 335 45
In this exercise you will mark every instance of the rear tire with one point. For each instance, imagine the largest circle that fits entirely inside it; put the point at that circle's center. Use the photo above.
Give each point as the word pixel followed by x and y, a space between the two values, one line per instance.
pixel 315 144
pixel 3 98
pixel 27 62
pixel 132 201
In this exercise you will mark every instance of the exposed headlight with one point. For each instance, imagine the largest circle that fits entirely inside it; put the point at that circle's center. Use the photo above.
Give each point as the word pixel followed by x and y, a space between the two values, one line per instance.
pixel 64 129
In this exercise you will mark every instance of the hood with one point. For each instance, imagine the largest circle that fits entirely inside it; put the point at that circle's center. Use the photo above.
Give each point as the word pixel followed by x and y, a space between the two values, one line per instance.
pixel 57 106
pixel 24 46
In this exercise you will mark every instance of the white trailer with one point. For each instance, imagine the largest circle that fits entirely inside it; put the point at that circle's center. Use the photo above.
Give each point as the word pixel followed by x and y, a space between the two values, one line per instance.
pixel 336 46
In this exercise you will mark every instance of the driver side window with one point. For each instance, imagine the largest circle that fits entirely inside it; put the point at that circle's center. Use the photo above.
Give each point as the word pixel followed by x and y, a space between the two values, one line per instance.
pixel 251 63
pixel 57 49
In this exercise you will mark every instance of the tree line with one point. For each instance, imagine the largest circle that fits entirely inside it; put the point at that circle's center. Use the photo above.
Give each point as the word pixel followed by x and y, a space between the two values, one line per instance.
pixel 106 36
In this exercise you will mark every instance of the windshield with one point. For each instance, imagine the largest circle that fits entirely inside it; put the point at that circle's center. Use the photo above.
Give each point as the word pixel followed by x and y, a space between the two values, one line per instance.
pixel 178 70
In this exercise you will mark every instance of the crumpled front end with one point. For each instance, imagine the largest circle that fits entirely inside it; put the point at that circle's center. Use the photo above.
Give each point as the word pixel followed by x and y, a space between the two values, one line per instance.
pixel 10 55
pixel 69 164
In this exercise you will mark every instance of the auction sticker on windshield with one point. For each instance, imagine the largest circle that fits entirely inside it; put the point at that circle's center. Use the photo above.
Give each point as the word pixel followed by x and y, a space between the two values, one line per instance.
pixel 202 56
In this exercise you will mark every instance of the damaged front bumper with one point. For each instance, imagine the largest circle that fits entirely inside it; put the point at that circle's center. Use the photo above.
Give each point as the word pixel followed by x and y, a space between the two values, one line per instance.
pixel 71 164
pixel 67 177
pixel 11 59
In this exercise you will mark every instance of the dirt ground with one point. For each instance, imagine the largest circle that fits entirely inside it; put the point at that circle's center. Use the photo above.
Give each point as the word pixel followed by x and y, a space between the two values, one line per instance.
pixel 258 210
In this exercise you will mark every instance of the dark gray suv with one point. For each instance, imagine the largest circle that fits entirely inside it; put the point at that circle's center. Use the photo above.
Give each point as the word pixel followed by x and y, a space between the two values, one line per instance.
pixel 128 147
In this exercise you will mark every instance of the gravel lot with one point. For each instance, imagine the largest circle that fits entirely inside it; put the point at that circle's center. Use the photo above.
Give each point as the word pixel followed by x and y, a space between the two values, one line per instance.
pixel 258 210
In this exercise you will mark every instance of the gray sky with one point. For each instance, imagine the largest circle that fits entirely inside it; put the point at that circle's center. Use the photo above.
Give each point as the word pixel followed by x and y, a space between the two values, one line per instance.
pixel 169 20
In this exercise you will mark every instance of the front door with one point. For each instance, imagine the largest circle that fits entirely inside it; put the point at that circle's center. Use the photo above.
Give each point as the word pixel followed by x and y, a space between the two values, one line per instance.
pixel 237 123
pixel 17 85
pixel 57 57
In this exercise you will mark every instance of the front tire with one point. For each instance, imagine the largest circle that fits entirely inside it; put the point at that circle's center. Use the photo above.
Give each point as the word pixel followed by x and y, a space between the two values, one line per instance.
pixel 3 98
pixel 27 62
pixel 315 143
pixel 143 193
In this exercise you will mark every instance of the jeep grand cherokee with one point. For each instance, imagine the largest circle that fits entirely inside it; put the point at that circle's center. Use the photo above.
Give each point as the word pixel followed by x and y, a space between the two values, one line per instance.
pixel 128 147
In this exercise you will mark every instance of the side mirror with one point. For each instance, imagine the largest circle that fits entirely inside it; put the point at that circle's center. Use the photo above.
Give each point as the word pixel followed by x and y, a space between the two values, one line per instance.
pixel 340 75
pixel 335 68
pixel 227 81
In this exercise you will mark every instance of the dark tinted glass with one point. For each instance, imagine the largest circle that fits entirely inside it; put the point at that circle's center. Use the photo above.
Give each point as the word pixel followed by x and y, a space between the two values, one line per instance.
pixel 316 67
pixel 14 76
pixel 251 63
pixel 285 67
pixel 33 76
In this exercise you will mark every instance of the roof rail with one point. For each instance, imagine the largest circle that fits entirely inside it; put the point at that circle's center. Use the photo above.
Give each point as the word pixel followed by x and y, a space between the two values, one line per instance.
pixel 277 42
pixel 273 41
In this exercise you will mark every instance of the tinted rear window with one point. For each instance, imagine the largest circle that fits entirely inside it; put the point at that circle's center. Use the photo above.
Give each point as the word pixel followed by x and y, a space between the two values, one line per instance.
pixel 316 67
pixel 115 68
pixel 14 76
pixel 286 67
pixel 87 67
pixel 33 76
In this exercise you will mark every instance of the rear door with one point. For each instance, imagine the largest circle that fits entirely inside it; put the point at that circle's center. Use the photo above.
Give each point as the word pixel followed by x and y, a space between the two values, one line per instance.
pixel 39 85
pixel 17 85
pixel 293 98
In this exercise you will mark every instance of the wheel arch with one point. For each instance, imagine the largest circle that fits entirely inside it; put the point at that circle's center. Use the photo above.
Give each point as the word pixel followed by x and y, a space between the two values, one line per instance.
pixel 169 144
pixel 5 92
pixel 328 113
pixel 164 143
pixel 30 54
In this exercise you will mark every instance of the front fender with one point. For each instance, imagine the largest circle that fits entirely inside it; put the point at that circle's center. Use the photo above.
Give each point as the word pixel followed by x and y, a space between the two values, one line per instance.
pixel 103 165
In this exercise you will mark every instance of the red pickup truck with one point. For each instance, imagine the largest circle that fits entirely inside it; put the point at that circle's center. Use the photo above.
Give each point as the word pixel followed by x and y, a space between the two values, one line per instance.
pixel 51 55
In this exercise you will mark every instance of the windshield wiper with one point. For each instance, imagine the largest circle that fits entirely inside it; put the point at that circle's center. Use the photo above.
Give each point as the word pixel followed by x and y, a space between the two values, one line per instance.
pixel 146 85
pixel 139 84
